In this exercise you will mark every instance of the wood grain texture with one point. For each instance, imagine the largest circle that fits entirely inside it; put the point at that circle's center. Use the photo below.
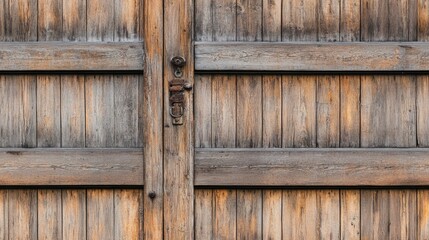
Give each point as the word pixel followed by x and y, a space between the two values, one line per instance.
pixel 128 214
pixel 328 113
pixel 4 215
pixel 19 21
pixel 299 111
pixel 300 214
pixel 311 167
pixel 45 166
pixel 224 20
pixel 50 20
pixel 422 111
pixel 22 214
pixel 74 214
pixel 127 20
pixel 18 111
pixel 272 111
pixel 152 112
pixel 61 56
pixel 350 114
pixel 49 214
pixel 271 20
pixel 225 214
pixel 350 214
pixel 300 56
pixel 100 20
pixel 74 20
pixel 423 20
pixel 422 214
pixel 299 20
pixel 49 111
pixel 178 140
pixel 388 115
pixel 249 214
pixel 350 20
pixel 272 214
pixel 73 111
pixel 203 110
pixel 100 214
pixel 204 214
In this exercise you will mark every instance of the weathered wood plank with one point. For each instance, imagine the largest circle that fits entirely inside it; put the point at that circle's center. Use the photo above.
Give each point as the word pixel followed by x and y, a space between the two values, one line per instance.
pixel 300 56
pixel 350 114
pixel 423 214
pixel 271 20
pixel 63 56
pixel 328 111
pixel 49 214
pixel 299 111
pixel 127 20
pixel 350 214
pixel 349 26
pixel 224 20
pixel 203 110
pixel 272 111
pixel 50 20
pixel 48 111
pixel 225 214
pixel 299 20
pixel 74 20
pixel 311 167
pixel 19 21
pixel 203 214
pixel 74 214
pixel 45 166
pixel 4 215
pixel 403 214
pixel 249 214
pixel 100 214
pixel 128 214
pixel 22 214
pixel 272 214
pixel 152 107
pixel 422 111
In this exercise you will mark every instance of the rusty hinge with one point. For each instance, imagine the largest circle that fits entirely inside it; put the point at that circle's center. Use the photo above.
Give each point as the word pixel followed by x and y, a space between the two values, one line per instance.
pixel 177 89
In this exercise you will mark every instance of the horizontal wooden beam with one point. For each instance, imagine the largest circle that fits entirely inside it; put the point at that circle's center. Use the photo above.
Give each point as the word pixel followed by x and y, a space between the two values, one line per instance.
pixel 63 56
pixel 312 56
pixel 71 167
pixel 312 167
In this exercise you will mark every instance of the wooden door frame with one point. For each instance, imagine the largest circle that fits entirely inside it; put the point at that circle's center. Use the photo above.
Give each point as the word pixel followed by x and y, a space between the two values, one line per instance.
pixel 168 148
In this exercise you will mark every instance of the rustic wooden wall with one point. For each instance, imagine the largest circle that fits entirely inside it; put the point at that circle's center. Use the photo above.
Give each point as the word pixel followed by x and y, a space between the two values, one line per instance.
pixel 72 110
pixel 274 111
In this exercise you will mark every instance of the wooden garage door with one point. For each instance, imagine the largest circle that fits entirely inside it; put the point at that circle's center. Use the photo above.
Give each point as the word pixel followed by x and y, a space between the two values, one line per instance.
pixel 71 119
pixel 301 109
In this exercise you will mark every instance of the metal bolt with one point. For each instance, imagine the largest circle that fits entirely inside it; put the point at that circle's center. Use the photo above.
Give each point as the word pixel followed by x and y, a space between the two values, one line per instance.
pixel 188 86
pixel 152 195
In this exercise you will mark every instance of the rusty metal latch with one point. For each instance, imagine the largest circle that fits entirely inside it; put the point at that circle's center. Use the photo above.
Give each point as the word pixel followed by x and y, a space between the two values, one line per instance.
pixel 177 88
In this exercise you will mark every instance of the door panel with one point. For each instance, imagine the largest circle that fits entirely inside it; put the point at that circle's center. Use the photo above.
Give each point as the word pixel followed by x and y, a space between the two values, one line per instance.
pixel 71 110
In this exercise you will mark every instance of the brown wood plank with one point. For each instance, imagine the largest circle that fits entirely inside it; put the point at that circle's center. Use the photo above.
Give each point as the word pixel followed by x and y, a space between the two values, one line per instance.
pixel 152 107
pixel 49 111
pixel 127 20
pixel 300 18
pixel 271 20
pixel 422 111
pixel 388 116
pixel 328 111
pixel 100 20
pixel 203 214
pixel 49 214
pixel 203 110
pixel 19 21
pixel 74 20
pixel 128 214
pixel 300 214
pixel 100 214
pixel 272 111
pixel 311 167
pixel 329 19
pixel 225 214
pixel 350 20
pixel 43 166
pixel 224 20
pixel 300 56
pixel 299 111
pixel 422 214
pixel 272 214
pixel 4 215
pixel 203 20
pixel 350 114
pixel 178 139
pixel 74 214
pixel 403 214
pixel 249 214
pixel 423 20
pixel 73 111
pixel 375 214
pixel 62 56
pixel 18 111
pixel 249 20
pixel 50 20
pixel 22 214
pixel 350 214
pixel 224 114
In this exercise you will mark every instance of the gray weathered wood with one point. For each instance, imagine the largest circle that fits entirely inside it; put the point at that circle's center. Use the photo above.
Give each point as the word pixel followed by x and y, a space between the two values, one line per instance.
pixel 312 167
pixel 43 166
pixel 62 56
pixel 300 56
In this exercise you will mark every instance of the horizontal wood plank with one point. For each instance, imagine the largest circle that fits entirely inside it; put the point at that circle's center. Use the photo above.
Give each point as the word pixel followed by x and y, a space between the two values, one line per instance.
pixel 71 167
pixel 63 56
pixel 312 56
pixel 312 167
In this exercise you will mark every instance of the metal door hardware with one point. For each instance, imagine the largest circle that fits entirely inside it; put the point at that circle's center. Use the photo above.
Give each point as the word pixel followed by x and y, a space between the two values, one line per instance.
pixel 177 88
pixel 178 63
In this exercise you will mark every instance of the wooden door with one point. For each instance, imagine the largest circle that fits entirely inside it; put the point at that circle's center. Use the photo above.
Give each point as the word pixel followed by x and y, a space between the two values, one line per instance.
pixel 311 119
pixel 71 119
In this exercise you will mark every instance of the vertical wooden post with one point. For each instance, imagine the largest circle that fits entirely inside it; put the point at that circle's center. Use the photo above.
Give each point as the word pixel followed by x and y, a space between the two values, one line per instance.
pixel 153 118
pixel 178 139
